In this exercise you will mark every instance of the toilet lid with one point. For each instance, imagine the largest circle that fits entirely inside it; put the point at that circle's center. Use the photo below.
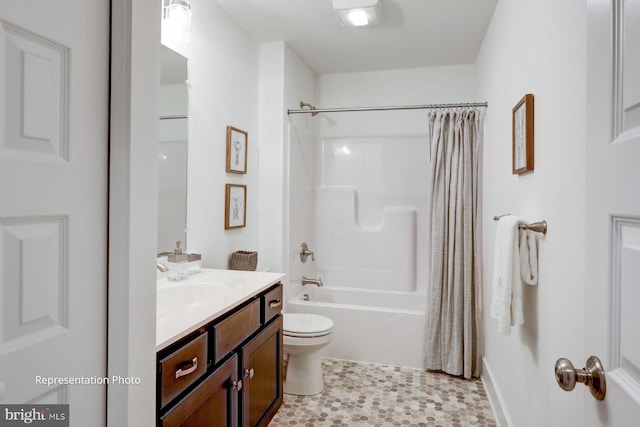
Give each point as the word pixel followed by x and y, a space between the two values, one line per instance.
pixel 306 325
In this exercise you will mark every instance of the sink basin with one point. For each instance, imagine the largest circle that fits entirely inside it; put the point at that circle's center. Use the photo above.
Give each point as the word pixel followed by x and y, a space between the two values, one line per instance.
pixel 190 295
pixel 188 302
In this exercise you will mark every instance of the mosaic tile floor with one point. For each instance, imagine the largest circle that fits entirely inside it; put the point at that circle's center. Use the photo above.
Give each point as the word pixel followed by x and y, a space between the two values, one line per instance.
pixel 363 394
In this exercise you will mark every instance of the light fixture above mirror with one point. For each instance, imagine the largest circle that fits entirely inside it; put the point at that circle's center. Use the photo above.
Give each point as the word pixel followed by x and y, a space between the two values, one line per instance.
pixel 176 21
pixel 358 13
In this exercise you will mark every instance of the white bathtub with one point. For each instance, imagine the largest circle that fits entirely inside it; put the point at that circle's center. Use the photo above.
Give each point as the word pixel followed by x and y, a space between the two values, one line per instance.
pixel 369 325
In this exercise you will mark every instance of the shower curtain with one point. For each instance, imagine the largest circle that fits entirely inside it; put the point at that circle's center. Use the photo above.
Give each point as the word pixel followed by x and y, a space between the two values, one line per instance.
pixel 451 341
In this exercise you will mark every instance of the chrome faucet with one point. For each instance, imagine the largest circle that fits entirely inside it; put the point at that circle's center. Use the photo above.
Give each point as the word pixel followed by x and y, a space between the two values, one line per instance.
pixel 307 281
pixel 160 266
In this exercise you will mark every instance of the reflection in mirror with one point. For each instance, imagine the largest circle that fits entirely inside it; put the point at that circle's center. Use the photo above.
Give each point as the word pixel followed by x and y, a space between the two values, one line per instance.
pixel 172 151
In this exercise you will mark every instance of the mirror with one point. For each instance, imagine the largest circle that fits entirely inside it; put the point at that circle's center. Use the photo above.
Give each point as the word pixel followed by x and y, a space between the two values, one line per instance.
pixel 172 151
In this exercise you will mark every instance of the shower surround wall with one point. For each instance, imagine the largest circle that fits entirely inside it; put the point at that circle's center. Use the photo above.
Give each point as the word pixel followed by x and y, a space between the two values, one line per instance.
pixel 363 221
pixel 370 204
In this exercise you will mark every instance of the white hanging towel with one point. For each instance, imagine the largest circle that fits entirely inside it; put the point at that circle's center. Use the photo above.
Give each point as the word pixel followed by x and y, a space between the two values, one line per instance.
pixel 506 303
pixel 528 257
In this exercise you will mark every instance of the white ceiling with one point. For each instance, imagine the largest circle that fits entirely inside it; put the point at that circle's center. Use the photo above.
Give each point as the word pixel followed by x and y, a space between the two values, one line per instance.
pixel 414 33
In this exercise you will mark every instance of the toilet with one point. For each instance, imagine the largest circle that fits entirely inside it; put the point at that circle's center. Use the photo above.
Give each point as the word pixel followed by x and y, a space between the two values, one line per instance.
pixel 303 336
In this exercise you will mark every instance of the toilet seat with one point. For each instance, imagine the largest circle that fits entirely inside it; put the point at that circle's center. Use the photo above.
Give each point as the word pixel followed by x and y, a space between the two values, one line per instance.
pixel 305 325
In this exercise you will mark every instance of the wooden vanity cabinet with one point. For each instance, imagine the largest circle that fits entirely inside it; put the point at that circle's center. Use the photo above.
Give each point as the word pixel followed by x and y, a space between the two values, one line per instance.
pixel 242 385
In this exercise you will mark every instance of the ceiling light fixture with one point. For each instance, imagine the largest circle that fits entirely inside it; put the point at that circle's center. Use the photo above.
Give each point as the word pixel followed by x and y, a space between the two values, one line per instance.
pixel 358 13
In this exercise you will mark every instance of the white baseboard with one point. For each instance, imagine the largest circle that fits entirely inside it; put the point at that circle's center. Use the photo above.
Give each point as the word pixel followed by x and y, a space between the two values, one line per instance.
pixel 494 396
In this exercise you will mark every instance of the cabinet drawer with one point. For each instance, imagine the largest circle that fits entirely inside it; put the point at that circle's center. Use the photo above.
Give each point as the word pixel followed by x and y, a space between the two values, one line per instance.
pixel 233 330
pixel 182 368
pixel 271 303
pixel 212 403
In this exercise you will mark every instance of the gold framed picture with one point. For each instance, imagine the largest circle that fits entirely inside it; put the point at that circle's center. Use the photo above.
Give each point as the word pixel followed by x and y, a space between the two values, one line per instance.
pixel 235 206
pixel 237 144
pixel 522 124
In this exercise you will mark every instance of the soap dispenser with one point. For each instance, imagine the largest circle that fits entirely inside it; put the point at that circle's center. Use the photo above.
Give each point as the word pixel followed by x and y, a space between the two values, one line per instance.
pixel 177 263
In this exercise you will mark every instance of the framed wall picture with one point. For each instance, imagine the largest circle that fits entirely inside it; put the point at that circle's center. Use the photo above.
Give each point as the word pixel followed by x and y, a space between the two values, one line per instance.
pixel 237 141
pixel 522 123
pixel 235 206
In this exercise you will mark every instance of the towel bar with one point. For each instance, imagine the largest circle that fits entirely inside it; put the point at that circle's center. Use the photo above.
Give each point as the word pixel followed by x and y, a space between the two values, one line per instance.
pixel 538 227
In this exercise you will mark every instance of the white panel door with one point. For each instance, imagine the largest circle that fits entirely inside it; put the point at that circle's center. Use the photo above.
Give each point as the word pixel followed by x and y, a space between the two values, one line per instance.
pixel 613 209
pixel 54 80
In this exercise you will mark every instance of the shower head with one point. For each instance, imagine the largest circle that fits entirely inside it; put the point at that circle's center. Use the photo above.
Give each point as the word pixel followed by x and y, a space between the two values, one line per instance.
pixel 306 104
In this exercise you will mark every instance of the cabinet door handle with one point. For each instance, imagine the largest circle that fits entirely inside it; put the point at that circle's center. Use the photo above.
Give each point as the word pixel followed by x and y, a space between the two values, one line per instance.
pixel 275 303
pixel 249 373
pixel 193 363
pixel 237 385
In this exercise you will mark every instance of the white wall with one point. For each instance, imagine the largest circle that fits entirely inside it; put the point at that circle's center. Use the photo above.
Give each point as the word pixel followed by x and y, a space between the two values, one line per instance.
pixel 223 91
pixel 537 47
pixel 271 146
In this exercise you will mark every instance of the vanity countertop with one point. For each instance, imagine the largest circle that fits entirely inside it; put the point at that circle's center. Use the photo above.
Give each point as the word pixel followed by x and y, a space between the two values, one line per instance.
pixel 183 307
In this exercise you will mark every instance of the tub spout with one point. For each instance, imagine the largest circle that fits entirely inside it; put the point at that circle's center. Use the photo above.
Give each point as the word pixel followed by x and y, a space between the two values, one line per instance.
pixel 307 281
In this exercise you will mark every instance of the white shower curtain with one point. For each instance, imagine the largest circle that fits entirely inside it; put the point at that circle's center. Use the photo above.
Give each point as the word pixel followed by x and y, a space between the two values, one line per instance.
pixel 451 341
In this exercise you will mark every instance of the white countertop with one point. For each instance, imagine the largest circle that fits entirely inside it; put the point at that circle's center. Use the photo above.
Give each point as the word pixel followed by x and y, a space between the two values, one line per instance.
pixel 183 307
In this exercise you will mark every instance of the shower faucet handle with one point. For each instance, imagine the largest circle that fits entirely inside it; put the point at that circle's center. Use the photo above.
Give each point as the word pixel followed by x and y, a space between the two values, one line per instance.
pixel 305 253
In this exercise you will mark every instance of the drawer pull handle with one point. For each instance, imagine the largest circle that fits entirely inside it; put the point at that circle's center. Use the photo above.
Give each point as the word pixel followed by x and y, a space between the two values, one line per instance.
pixel 275 303
pixel 237 385
pixel 249 373
pixel 181 372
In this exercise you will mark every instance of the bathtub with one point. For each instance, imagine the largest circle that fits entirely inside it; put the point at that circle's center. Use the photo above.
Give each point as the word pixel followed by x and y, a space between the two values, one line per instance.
pixel 369 325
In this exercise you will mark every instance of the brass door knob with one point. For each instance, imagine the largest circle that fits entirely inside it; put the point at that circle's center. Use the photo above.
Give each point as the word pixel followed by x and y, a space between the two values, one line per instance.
pixel 592 376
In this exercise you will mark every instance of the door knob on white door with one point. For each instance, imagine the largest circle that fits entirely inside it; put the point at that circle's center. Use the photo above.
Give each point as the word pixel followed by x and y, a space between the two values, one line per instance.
pixel 592 376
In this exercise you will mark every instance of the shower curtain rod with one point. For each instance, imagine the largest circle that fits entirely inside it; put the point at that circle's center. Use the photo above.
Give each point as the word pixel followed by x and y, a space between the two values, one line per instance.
pixel 313 110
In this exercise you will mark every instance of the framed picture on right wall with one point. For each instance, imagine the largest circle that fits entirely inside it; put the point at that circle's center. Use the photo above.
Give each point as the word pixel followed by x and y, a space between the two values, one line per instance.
pixel 522 128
